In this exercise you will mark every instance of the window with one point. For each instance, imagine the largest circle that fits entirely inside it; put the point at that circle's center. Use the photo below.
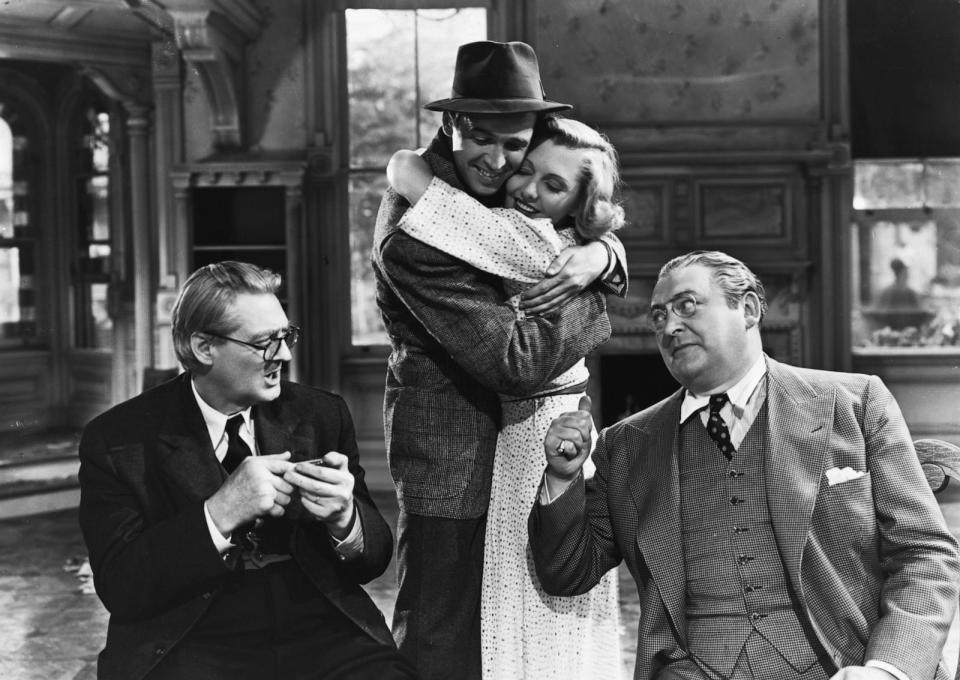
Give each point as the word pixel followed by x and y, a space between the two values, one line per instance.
pixel 18 304
pixel 397 60
pixel 906 251
pixel 93 322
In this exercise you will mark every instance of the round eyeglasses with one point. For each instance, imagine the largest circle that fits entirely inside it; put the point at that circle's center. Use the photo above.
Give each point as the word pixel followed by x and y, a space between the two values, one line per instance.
pixel 684 306
pixel 289 335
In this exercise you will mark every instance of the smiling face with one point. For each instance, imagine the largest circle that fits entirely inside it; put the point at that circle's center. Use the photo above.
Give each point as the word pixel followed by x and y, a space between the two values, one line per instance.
pixel 490 150
pixel 547 183
pixel 712 349
pixel 238 376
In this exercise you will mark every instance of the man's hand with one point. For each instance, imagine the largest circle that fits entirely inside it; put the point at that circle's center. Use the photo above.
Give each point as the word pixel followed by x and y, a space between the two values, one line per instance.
pixel 862 673
pixel 256 488
pixel 571 271
pixel 567 445
pixel 326 491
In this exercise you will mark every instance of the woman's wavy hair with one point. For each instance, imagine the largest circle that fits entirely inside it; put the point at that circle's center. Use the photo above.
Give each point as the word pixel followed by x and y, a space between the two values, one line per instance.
pixel 599 211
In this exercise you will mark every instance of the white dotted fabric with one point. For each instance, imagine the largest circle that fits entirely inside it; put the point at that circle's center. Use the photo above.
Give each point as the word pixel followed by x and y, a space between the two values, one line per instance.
pixel 526 633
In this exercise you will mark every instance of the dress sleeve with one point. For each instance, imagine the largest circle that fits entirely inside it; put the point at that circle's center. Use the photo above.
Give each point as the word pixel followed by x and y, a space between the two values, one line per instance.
pixel 499 241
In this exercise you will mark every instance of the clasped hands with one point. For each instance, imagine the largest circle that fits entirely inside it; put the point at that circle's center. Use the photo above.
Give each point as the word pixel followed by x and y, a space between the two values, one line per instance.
pixel 263 486
pixel 571 271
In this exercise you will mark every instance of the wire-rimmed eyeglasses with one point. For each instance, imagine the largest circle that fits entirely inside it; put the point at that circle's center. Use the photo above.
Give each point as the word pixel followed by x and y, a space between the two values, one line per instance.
pixel 289 335
pixel 683 305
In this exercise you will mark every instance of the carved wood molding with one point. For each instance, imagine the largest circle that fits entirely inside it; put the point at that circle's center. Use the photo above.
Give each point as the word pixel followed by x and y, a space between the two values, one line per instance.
pixel 213 43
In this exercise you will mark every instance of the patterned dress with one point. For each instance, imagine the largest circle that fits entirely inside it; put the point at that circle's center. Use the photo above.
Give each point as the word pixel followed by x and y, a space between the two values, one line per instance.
pixel 525 633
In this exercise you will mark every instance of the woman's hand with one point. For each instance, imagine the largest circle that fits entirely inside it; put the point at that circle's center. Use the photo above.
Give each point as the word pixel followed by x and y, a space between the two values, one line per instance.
pixel 571 271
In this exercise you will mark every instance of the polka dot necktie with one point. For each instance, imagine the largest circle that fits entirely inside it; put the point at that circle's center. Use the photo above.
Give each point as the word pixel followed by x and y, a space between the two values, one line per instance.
pixel 716 428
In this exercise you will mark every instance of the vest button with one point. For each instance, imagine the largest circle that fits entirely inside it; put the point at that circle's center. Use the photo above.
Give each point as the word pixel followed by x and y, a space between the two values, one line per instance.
pixel 744 559
pixel 757 616
pixel 160 651
pixel 740 530
pixel 734 473
pixel 736 500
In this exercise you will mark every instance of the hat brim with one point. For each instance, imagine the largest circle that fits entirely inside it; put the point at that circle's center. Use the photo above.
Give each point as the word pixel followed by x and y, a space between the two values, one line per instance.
pixel 495 106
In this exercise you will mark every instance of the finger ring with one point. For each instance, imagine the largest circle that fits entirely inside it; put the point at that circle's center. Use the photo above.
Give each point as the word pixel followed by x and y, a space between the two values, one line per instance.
pixel 560 447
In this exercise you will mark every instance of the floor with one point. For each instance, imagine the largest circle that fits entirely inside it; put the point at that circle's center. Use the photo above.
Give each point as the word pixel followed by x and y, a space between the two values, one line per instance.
pixel 53 626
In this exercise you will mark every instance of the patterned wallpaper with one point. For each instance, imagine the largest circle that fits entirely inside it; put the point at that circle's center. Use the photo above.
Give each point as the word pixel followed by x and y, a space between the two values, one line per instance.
pixel 687 61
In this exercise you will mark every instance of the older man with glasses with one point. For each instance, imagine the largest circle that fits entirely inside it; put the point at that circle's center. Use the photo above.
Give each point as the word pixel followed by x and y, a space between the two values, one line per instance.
pixel 775 518
pixel 225 512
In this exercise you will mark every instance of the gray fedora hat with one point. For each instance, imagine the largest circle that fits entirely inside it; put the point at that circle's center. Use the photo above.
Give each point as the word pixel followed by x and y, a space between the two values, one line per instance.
pixel 495 77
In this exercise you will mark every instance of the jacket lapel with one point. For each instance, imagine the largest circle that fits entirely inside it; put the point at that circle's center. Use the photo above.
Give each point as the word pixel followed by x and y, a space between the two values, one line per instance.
pixel 800 421
pixel 276 432
pixel 655 488
pixel 185 453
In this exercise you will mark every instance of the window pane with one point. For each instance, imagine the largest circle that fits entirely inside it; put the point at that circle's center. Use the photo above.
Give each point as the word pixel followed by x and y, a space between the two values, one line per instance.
pixel 9 287
pixel 906 254
pixel 365 193
pixel 6 180
pixel 381 84
pixel 100 319
pixel 397 60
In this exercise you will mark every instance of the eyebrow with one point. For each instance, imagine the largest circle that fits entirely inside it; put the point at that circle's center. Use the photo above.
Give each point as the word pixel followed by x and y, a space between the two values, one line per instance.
pixel 689 292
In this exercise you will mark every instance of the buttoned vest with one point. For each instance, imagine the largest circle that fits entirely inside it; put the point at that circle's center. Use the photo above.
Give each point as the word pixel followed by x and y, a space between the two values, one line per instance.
pixel 737 593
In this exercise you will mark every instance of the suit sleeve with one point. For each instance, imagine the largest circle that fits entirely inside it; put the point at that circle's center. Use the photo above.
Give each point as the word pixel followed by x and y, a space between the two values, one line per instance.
pixel 465 311
pixel 572 537
pixel 616 281
pixel 139 567
pixel 918 553
pixel 377 539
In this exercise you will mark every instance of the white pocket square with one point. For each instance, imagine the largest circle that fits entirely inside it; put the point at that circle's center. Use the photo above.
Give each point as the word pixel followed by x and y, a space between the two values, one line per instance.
pixel 837 475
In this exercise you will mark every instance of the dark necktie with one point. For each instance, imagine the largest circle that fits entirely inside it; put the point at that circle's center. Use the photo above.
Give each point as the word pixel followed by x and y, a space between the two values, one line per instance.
pixel 237 449
pixel 716 428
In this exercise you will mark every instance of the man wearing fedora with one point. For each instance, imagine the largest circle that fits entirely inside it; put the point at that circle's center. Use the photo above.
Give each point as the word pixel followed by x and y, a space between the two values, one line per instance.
pixel 457 344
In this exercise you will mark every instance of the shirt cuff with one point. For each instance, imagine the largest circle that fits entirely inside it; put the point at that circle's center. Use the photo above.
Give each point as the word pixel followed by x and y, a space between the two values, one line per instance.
pixel 611 263
pixel 352 545
pixel 552 490
pixel 889 668
pixel 219 542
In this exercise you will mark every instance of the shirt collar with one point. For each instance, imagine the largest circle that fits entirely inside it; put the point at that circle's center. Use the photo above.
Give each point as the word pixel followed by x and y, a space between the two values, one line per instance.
pixel 216 422
pixel 739 394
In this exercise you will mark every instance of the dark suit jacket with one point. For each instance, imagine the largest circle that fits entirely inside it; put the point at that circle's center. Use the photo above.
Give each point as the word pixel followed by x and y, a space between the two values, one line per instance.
pixel 146 467
pixel 456 345
pixel 871 559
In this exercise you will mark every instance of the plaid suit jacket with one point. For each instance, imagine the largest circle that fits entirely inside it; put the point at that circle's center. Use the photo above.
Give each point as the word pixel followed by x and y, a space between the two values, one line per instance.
pixel 873 563
pixel 456 345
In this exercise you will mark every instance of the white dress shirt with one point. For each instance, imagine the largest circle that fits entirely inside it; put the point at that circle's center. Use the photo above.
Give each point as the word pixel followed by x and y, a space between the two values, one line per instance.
pixel 216 423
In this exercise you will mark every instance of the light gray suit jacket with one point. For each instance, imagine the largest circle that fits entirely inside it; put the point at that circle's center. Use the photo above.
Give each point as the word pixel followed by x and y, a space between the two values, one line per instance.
pixel 871 559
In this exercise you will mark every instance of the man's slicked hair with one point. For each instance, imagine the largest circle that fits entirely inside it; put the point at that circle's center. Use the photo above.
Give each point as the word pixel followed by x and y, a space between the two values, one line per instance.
pixel 732 276
pixel 206 300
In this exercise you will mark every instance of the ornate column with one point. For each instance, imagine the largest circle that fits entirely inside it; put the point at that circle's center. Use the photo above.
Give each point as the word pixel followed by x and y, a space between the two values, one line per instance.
pixel 138 129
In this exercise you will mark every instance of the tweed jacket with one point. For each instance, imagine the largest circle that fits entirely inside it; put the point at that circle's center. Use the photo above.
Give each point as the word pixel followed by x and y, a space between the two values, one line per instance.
pixel 146 468
pixel 871 559
pixel 457 344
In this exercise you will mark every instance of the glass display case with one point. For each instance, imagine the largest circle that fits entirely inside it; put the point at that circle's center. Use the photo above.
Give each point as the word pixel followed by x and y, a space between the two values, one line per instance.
pixel 906 255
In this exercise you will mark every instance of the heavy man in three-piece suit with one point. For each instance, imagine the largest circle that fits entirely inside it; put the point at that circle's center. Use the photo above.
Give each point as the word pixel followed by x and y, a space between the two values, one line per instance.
pixel 457 344
pixel 217 549
pixel 775 519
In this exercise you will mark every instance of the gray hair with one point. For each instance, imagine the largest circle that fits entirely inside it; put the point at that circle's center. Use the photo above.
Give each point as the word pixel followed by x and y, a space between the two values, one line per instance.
pixel 732 276
pixel 206 300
